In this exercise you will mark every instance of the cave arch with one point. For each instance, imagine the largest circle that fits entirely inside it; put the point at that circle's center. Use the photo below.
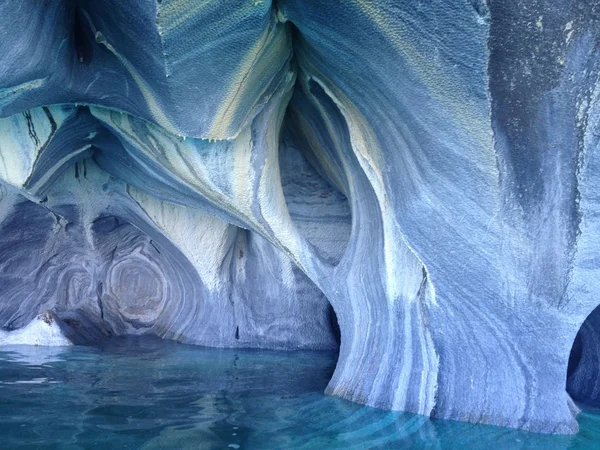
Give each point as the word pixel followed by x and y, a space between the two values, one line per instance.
pixel 110 267
pixel 583 372
pixel 319 210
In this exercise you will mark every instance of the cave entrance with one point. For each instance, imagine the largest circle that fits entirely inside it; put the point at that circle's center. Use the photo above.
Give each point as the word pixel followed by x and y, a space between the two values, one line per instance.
pixel 583 373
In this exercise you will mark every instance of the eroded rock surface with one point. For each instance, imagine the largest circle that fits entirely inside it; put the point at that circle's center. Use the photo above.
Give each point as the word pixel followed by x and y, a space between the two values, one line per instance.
pixel 230 173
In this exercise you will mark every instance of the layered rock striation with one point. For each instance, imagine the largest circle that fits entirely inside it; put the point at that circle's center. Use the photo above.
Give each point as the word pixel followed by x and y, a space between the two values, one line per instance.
pixel 412 181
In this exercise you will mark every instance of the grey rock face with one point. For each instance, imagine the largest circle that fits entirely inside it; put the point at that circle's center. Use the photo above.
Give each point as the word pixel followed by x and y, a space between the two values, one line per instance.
pixel 229 173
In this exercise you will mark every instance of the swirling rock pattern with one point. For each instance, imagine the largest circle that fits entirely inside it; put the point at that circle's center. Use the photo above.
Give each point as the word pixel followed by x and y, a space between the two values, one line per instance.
pixel 221 172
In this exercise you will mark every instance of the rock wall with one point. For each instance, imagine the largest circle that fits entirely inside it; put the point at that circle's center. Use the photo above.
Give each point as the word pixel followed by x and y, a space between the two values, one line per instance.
pixel 226 172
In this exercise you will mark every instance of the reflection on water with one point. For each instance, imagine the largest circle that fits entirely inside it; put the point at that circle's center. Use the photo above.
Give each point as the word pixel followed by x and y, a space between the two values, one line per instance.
pixel 31 355
pixel 148 393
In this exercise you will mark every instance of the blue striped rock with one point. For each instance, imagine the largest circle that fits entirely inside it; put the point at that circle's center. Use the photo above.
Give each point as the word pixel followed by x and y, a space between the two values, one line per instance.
pixel 413 182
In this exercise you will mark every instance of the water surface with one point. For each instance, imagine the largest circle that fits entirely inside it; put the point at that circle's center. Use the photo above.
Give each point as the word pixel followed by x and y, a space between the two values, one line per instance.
pixel 150 393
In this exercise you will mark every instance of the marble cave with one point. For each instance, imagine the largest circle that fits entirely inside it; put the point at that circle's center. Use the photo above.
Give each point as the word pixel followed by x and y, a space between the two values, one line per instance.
pixel 411 184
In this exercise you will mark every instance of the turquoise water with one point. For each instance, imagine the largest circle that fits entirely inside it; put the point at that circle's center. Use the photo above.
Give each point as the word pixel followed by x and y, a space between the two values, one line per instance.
pixel 148 393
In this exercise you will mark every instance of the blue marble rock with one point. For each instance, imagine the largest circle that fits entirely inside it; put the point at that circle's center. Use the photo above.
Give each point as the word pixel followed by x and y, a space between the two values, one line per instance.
pixel 412 182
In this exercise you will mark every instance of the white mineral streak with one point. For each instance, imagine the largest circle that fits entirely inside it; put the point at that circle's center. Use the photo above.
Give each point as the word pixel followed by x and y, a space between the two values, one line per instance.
pixel 203 238
pixel 270 49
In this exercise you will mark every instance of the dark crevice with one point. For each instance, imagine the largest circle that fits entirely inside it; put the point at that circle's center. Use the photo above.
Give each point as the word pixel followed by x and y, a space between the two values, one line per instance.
pixel 334 325
pixel 83 40
pixel 155 247
pixel 583 372
pixel 99 293
pixel 31 128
